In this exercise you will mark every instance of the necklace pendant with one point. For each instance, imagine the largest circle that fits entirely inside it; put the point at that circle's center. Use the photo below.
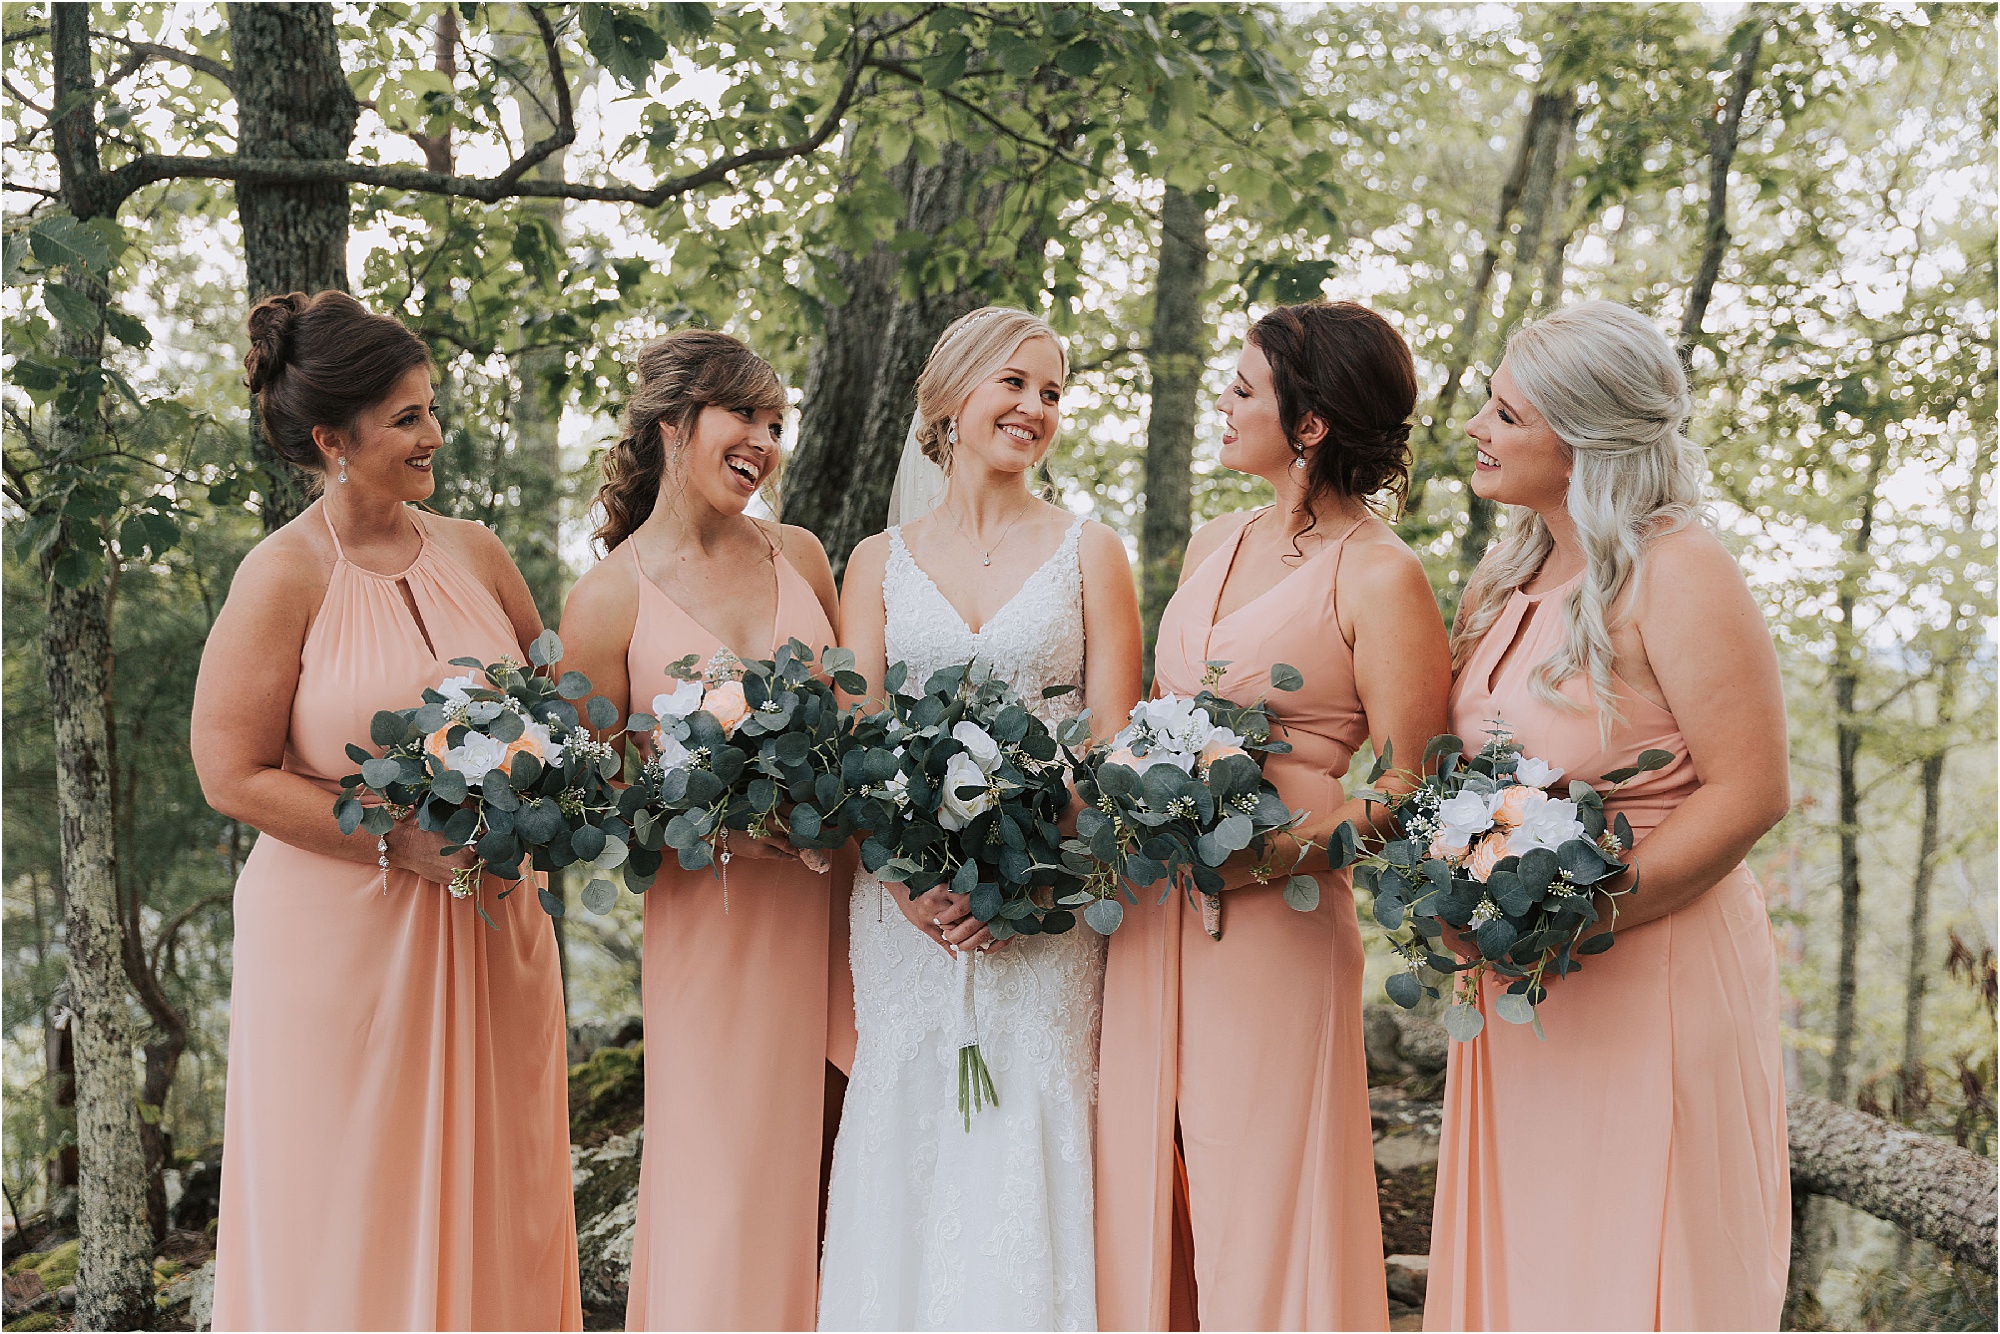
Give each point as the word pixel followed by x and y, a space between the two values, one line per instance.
pixel 985 560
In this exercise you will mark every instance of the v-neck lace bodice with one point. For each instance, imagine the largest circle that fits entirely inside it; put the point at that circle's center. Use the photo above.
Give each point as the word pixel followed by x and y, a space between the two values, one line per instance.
pixel 1033 642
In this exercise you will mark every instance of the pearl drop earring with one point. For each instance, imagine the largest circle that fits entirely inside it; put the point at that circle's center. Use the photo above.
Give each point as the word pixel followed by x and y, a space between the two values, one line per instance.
pixel 951 433
pixel 343 469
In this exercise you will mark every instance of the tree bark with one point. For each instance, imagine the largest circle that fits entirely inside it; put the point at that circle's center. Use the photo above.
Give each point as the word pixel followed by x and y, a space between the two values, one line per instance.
pixel 1722 153
pixel 537 523
pixel 292 102
pixel 1176 352
pixel 1929 1187
pixel 1551 125
pixel 939 196
pixel 114 1278
pixel 1849 726
pixel 1930 781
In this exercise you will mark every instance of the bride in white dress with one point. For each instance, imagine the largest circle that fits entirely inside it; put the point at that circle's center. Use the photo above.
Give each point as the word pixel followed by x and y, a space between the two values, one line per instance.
pixel 930 1225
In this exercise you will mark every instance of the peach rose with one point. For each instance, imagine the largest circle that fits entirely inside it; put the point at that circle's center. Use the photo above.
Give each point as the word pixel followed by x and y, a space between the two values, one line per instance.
pixel 1438 850
pixel 1485 855
pixel 1218 750
pixel 725 703
pixel 1515 805
pixel 1123 755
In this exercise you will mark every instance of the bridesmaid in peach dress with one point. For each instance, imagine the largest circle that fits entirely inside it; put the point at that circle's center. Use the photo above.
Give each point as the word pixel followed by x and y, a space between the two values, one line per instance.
pixel 396 1139
pixel 1245 1054
pixel 735 988
pixel 1607 621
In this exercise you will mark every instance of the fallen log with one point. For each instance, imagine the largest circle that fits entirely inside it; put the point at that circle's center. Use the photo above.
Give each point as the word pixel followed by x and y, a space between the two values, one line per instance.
pixel 1929 1187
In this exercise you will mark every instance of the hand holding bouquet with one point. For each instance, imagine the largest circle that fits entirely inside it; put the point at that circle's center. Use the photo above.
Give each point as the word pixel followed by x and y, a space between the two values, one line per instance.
pixel 964 788
pixel 496 760
pixel 1176 793
pixel 1491 854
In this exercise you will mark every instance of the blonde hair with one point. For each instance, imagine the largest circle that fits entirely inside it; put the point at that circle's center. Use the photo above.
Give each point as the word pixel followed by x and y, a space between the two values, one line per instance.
pixel 972 347
pixel 1609 385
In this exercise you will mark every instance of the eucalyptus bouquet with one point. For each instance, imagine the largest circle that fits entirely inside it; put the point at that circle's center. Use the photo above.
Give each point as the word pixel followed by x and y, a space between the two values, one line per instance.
pixel 1178 790
pixel 964 787
pixel 755 747
pixel 1491 854
pixel 497 760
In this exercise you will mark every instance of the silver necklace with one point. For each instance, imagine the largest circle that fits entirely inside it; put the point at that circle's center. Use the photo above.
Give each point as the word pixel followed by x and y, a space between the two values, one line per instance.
pixel 985 553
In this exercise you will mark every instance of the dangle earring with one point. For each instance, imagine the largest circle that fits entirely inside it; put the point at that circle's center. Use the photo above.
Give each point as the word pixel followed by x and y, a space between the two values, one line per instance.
pixel 343 470
pixel 1300 461
pixel 951 433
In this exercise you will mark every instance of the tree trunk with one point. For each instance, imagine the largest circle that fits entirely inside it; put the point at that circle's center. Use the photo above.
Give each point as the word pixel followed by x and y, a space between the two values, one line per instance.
pixel 939 196
pixel 1910 1094
pixel 1176 352
pixel 840 381
pixel 1722 153
pixel 114 1278
pixel 292 101
pixel 1849 725
pixel 1551 125
pixel 537 524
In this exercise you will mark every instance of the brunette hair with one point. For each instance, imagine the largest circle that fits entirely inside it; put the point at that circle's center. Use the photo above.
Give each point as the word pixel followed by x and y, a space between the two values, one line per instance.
pixel 972 347
pixel 679 375
pixel 318 361
pixel 1346 365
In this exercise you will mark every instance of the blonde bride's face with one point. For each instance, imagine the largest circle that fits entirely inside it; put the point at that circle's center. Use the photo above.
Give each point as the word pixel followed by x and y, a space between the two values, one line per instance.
pixel 1010 420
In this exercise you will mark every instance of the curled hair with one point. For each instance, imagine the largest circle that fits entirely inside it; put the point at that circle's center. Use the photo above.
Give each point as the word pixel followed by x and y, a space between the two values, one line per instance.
pixel 1347 366
pixel 319 361
pixel 972 347
pixel 679 375
pixel 1609 385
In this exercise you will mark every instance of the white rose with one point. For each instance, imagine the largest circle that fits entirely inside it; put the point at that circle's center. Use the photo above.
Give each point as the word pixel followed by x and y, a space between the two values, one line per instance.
pixel 685 699
pixel 979 744
pixel 954 811
pixel 547 747
pixel 457 689
pixel 897 789
pixel 1161 754
pixel 669 752
pixel 1550 824
pixel 1463 816
pixel 480 755
pixel 1533 772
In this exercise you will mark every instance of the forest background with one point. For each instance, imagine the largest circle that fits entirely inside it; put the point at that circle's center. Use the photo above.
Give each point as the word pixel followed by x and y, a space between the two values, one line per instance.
pixel 1803 197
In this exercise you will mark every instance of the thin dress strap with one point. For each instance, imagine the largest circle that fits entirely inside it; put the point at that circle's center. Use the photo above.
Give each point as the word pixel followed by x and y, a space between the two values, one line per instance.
pixel 339 553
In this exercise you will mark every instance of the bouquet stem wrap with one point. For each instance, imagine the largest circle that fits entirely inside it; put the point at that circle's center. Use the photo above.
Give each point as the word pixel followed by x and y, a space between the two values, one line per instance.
pixel 975 1081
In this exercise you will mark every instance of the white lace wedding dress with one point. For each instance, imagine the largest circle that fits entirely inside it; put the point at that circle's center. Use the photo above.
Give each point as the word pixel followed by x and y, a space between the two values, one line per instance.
pixel 929 1226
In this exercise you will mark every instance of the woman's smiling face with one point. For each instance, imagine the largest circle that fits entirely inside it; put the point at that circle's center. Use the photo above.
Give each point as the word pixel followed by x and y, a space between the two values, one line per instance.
pixel 730 453
pixel 1521 460
pixel 1010 420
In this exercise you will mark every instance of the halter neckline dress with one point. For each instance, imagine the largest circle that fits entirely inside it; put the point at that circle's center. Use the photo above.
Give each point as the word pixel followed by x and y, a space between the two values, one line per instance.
pixel 396 1132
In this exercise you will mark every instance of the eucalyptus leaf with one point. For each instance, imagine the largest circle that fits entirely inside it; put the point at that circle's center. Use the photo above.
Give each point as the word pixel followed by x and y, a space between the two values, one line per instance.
pixel 1104 915
pixel 600 896
pixel 1463 1022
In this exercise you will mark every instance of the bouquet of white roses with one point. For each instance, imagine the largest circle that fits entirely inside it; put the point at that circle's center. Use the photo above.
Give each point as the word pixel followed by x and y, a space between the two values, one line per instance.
pixel 1178 790
pixel 964 787
pixel 1489 853
pixel 496 759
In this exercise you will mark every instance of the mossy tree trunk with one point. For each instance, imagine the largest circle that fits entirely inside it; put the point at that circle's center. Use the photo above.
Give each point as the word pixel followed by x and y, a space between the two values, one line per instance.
pixel 1176 352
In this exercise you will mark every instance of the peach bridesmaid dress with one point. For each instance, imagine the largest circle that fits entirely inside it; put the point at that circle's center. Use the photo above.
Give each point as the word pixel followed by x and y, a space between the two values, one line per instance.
pixel 396 1136
pixel 1661 1197
pixel 735 1002
pixel 1252 1042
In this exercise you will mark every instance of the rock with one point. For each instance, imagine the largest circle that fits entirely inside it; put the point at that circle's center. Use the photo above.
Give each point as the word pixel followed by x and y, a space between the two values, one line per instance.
pixel 606 1181
pixel 66 1297
pixel 1408 1275
pixel 585 1040
pixel 201 1302
pixel 201 1194
pixel 1395 1153
pixel 24 1293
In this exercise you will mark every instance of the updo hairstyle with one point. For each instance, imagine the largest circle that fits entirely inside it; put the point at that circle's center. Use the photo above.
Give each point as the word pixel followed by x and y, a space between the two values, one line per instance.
pixel 1608 383
pixel 1349 367
pixel 972 347
pixel 679 375
pixel 319 361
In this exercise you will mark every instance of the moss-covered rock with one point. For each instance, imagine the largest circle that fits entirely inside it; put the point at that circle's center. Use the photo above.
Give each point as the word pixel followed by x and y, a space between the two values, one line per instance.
pixel 56 1267
pixel 607 1094
pixel 37 1320
pixel 606 1180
